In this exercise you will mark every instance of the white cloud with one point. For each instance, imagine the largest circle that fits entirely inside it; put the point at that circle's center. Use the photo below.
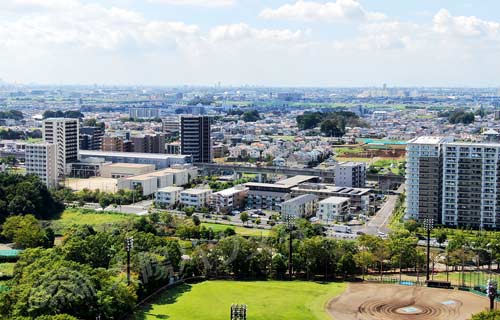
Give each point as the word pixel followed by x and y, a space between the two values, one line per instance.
pixel 241 31
pixel 447 24
pixel 72 23
pixel 196 3
pixel 339 11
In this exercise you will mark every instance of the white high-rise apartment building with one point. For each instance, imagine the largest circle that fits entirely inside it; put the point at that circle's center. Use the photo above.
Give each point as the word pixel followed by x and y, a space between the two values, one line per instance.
pixel 64 133
pixel 41 161
pixel 455 183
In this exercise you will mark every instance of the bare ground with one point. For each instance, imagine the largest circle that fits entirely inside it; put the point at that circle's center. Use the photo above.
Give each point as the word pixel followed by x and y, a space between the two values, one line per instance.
pixel 369 301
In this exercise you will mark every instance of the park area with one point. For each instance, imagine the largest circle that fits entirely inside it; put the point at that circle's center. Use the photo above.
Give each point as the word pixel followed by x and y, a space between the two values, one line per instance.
pixel 266 300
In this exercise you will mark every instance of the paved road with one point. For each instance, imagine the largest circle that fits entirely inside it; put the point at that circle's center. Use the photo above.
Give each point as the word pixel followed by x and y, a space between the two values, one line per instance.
pixel 380 221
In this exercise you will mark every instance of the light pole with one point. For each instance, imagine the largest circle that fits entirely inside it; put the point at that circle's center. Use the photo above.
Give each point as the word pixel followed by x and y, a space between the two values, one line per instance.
pixel 289 221
pixel 428 225
pixel 129 244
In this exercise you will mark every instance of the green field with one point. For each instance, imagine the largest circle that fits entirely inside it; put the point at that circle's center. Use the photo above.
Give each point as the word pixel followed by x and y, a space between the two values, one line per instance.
pixel 266 300
pixel 99 220
pixel 254 232
pixel 7 269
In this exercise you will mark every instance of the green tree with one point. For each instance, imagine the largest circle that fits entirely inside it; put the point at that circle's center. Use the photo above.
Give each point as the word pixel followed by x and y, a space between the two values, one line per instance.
pixel 244 217
pixel 24 231
pixel 487 315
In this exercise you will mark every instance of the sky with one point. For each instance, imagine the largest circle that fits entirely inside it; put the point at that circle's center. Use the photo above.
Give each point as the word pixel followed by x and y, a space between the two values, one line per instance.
pixel 335 43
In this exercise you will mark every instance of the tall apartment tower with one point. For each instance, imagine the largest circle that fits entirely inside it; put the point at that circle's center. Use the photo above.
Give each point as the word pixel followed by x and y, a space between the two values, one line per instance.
pixel 41 161
pixel 63 133
pixel 424 178
pixel 471 181
pixel 91 138
pixel 196 138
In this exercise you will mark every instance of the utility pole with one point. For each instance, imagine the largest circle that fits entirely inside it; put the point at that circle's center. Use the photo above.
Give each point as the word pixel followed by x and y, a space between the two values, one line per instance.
pixel 129 244
pixel 428 225
pixel 289 221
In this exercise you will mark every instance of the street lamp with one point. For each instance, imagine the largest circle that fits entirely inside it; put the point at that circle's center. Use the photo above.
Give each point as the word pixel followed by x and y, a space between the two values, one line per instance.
pixel 289 220
pixel 428 225
pixel 129 245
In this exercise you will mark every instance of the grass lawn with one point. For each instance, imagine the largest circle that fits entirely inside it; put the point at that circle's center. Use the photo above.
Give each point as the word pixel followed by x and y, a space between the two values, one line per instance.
pixel 266 300
pixel 239 230
pixel 7 268
pixel 99 220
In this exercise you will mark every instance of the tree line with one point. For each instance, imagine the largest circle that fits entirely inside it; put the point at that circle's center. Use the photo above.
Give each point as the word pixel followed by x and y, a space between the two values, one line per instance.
pixel 331 124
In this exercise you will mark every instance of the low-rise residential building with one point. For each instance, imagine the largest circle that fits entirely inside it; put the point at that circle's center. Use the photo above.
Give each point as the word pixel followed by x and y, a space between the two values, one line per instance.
pixel 350 174
pixel 334 209
pixel 360 197
pixel 197 198
pixel 300 207
pixel 168 197
pixel 229 199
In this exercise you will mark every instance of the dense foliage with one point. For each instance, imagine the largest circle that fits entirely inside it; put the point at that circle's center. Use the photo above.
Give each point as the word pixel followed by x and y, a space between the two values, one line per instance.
pixel 487 315
pixel 21 195
pixel 62 114
pixel 11 114
pixel 458 116
pixel 26 232
pixel 20 135
pixel 331 124
pixel 251 116
pixel 105 199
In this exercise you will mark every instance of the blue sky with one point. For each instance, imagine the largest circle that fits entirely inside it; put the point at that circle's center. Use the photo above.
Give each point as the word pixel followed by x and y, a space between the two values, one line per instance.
pixel 277 43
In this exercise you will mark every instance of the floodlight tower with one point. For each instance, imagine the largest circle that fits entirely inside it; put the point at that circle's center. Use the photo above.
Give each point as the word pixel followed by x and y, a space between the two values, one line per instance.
pixel 289 220
pixel 428 226
pixel 129 245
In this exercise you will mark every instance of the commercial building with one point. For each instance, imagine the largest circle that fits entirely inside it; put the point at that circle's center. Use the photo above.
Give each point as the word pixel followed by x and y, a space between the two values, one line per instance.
pixel 41 161
pixel 300 207
pixel 350 174
pixel 121 170
pixel 360 197
pixel 229 199
pixel 168 197
pixel 196 139
pixel 91 138
pixel 64 134
pixel 197 198
pixel 271 195
pixel 151 182
pixel 334 209
pixel 144 113
pixel 160 161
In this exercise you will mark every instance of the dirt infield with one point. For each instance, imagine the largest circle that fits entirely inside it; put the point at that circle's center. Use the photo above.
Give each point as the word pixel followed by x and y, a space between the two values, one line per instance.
pixel 394 302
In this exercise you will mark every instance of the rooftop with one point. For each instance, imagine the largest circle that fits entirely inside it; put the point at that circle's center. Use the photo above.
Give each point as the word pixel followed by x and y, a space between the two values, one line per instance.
pixel 301 199
pixel 196 191
pixel 231 191
pixel 158 156
pixel 334 200
pixel 430 140
pixel 170 189
pixel 130 165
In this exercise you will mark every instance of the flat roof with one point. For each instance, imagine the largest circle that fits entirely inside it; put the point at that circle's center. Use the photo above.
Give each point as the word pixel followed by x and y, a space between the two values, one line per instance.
pixel 231 191
pixel 301 199
pixel 196 191
pixel 157 156
pixel 296 180
pixel 130 165
pixel 170 189
pixel 429 140
pixel 335 200
pixel 158 173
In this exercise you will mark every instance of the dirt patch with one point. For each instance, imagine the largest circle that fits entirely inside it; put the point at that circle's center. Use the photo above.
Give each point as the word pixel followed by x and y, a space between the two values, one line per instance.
pixel 394 302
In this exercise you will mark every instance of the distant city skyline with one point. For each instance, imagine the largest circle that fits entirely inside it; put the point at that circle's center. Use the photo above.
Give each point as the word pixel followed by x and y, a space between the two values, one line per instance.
pixel 336 43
